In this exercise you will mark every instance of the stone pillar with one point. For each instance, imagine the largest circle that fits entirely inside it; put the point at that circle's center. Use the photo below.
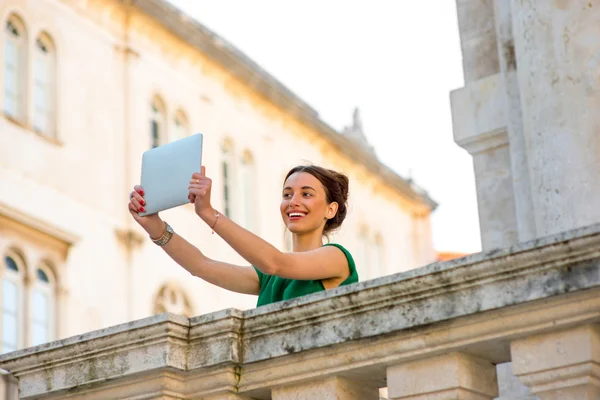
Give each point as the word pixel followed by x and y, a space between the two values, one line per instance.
pixel 514 122
pixel 560 365
pixel 9 386
pixel 334 388
pixel 477 38
pixel 450 376
pixel 558 58
pixel 479 124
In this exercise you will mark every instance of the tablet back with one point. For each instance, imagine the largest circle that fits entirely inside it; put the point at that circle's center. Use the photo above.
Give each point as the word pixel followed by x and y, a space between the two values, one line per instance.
pixel 166 173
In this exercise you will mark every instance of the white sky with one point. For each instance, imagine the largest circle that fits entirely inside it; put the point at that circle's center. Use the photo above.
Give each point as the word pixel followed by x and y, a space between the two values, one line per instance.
pixel 396 60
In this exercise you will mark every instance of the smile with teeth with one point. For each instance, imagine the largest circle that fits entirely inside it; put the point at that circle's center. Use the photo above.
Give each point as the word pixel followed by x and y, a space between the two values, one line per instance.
pixel 296 215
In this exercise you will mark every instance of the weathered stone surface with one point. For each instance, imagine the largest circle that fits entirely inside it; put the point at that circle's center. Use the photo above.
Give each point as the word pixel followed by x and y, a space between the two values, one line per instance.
pixel 560 365
pixel 558 56
pixel 450 376
pixel 479 115
pixel 477 38
pixel 524 212
pixel 334 388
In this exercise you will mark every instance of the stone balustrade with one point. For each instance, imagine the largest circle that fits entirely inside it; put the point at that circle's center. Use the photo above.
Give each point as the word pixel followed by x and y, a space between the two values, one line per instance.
pixel 437 332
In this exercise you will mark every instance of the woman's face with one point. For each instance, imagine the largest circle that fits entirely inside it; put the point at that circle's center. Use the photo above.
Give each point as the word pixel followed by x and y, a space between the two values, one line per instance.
pixel 304 205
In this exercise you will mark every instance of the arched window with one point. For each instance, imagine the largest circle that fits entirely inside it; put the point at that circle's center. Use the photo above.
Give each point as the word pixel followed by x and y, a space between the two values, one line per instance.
pixel 248 197
pixel 181 125
pixel 15 68
pixel 171 298
pixel 12 297
pixel 42 306
pixel 158 131
pixel 227 173
pixel 44 85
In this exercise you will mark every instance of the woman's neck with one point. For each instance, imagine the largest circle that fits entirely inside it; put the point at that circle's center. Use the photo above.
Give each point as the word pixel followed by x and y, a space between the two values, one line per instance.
pixel 307 242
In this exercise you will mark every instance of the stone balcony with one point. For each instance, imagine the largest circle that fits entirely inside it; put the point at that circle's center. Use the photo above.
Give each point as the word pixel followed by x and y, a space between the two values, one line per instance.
pixel 437 332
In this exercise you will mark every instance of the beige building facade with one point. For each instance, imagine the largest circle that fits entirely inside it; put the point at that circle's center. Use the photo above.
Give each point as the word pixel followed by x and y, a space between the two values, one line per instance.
pixel 88 86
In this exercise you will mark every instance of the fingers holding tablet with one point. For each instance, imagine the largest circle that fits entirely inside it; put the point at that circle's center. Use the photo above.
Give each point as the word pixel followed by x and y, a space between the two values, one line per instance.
pixel 199 190
pixel 136 199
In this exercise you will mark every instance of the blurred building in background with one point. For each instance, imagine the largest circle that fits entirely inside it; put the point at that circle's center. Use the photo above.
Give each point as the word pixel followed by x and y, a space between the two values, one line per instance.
pixel 85 88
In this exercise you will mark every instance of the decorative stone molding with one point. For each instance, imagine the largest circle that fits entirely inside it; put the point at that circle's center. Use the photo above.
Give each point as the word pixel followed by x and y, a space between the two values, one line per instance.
pixel 560 365
pixel 477 306
pixel 479 115
pixel 65 238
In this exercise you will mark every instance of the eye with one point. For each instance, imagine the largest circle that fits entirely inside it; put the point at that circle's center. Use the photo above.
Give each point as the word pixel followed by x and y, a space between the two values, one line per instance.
pixel 287 195
pixel 307 194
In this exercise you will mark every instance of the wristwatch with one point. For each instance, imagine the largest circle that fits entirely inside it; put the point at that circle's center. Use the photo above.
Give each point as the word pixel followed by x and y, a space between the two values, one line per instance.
pixel 165 237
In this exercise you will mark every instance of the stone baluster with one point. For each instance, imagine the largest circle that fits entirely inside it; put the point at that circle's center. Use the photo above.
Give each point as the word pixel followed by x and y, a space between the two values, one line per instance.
pixel 563 365
pixel 332 388
pixel 449 376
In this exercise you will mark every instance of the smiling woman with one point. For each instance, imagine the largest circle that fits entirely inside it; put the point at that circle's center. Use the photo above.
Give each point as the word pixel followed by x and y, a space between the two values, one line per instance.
pixel 313 204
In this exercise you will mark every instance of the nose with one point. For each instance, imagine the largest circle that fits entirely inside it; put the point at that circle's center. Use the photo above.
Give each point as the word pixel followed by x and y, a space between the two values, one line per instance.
pixel 294 200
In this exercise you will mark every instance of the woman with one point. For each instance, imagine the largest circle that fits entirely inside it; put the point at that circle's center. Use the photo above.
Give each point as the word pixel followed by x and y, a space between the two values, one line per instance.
pixel 313 204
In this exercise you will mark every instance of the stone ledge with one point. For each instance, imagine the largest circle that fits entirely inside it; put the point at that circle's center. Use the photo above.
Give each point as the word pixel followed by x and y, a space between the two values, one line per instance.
pixel 475 305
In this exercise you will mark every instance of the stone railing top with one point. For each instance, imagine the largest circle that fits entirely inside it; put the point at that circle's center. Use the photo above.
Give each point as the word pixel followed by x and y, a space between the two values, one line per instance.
pixel 353 319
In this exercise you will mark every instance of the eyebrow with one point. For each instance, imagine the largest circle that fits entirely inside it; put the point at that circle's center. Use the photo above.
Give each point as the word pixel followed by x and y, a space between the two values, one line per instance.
pixel 303 188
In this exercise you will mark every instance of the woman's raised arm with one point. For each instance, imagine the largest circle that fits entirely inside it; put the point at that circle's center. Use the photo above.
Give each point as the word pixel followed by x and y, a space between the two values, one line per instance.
pixel 236 278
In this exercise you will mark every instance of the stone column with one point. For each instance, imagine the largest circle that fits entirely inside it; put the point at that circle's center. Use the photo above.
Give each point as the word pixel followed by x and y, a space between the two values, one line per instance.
pixel 477 38
pixel 558 58
pixel 560 365
pixel 479 124
pixel 333 388
pixel 9 386
pixel 514 121
pixel 449 376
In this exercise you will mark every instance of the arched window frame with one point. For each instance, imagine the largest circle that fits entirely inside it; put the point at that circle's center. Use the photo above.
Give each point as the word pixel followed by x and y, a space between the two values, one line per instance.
pixel 158 122
pixel 12 302
pixel 181 125
pixel 172 298
pixel 42 322
pixel 44 85
pixel 248 190
pixel 15 67
pixel 228 177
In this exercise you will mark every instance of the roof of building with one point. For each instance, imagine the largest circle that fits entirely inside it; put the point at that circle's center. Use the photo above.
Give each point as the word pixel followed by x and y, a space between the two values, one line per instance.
pixel 450 255
pixel 245 69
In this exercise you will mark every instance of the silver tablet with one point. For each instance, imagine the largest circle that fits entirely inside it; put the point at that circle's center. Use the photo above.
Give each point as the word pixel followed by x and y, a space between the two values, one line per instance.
pixel 166 173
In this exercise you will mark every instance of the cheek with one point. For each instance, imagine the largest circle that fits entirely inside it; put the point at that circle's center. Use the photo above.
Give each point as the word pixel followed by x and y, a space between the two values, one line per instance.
pixel 282 207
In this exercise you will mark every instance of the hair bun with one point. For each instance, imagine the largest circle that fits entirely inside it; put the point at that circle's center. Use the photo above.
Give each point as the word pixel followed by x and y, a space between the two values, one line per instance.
pixel 344 183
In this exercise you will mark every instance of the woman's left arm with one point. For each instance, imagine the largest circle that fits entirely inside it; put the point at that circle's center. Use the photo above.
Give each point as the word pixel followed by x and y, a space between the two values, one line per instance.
pixel 323 263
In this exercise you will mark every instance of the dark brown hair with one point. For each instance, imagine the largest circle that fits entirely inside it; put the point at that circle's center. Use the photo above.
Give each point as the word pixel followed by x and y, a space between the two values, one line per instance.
pixel 336 189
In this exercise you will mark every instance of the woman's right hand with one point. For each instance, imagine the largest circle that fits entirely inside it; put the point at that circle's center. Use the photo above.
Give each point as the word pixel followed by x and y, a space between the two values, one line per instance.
pixel 151 223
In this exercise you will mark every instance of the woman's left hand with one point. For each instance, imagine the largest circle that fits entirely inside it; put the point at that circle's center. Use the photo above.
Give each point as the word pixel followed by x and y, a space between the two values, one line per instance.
pixel 199 191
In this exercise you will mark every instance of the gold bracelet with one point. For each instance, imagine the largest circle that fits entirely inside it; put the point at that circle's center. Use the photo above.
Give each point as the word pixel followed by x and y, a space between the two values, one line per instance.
pixel 165 237
pixel 213 225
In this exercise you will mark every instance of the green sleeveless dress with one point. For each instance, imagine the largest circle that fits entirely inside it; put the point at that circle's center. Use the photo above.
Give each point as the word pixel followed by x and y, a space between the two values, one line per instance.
pixel 274 288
